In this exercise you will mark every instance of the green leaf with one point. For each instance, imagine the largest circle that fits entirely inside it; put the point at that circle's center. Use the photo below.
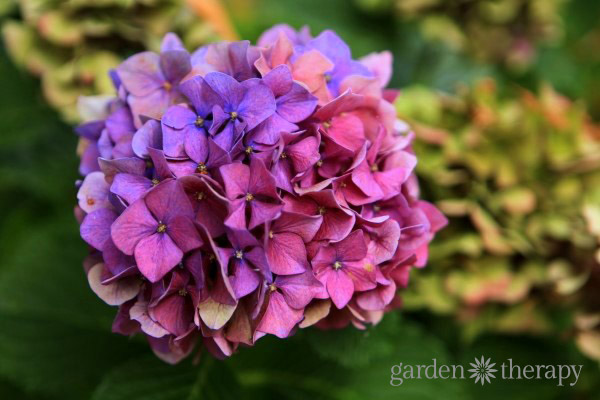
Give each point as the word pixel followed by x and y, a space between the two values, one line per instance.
pixel 148 378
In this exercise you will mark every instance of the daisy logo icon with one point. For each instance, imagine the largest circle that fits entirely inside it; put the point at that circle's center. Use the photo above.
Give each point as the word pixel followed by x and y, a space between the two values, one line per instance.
pixel 483 370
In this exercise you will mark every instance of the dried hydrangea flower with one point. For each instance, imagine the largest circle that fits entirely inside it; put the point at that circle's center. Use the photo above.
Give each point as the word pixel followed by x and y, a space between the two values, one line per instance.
pixel 248 191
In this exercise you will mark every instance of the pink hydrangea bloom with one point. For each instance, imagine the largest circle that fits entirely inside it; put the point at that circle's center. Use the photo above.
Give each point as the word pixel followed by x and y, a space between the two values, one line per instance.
pixel 243 191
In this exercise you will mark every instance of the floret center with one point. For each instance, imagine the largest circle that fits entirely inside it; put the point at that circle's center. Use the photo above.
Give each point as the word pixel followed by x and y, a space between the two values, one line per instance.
pixel 337 265
pixel 239 254
pixel 201 168
pixel 249 197
pixel 199 121
pixel 233 115
pixel 161 228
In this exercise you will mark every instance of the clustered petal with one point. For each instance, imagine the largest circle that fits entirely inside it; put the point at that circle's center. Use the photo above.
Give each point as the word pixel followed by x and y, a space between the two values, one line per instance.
pixel 243 190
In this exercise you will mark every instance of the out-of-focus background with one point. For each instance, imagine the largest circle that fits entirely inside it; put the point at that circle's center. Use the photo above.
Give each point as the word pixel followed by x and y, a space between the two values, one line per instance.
pixel 504 97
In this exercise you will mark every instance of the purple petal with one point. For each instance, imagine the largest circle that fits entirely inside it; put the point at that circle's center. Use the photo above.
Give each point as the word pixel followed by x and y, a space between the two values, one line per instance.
pixel 201 95
pixel 96 227
pixel 196 144
pixel 257 105
pixel 171 42
pixel 130 187
pixel 175 64
pixel 230 90
pixel 140 73
pixel 297 104
pixel 244 280
pixel 178 117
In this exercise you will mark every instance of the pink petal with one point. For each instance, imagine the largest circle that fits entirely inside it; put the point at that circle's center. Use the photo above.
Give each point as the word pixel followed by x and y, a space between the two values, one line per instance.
pixel 279 318
pixel 286 254
pixel 302 225
pixel 298 290
pixel 261 212
pixel 133 225
pixel 156 255
pixel 340 287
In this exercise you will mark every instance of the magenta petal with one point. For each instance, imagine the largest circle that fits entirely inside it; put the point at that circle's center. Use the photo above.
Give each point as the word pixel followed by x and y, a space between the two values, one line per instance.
pixel 156 255
pixel 279 319
pixel 261 212
pixel 279 80
pixel 287 254
pixel 134 224
pixel 269 131
pixel 302 225
pixel 261 182
pixel 298 290
pixel 237 214
pixel 130 187
pixel 304 154
pixel 184 233
pixel 339 286
pixel 173 314
pixel 168 200
pixel 384 241
pixel 336 225
pixel 235 177
pixel 362 273
pixel 364 180
pixel 352 248
pixel 376 299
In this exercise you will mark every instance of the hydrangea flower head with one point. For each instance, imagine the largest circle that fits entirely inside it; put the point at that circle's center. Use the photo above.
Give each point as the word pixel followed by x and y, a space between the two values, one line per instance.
pixel 241 191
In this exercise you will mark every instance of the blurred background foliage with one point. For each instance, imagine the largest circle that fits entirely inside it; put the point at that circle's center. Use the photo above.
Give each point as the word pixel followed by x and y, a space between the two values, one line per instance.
pixel 505 99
